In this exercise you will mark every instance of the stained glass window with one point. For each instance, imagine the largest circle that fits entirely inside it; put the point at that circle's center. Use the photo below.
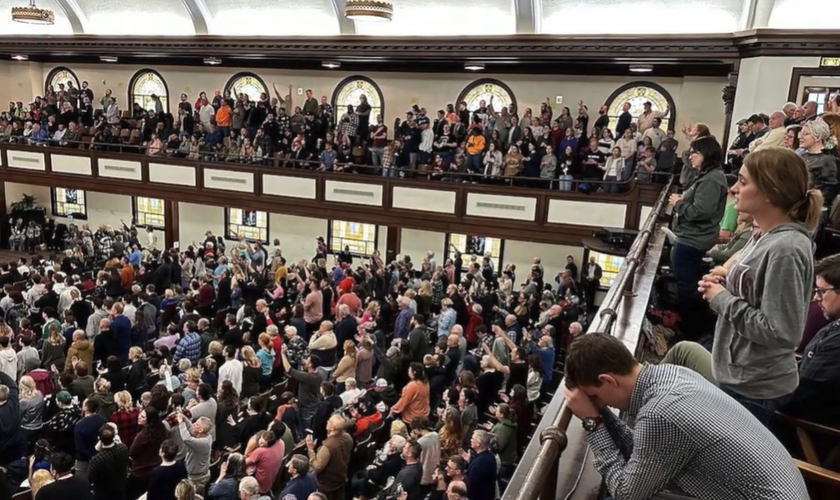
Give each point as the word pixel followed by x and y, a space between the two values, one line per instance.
pixel 477 246
pixel 252 224
pixel 248 84
pixel 484 92
pixel 610 264
pixel 69 203
pixel 146 84
pixel 637 96
pixel 350 92
pixel 61 76
pixel 149 212
pixel 360 237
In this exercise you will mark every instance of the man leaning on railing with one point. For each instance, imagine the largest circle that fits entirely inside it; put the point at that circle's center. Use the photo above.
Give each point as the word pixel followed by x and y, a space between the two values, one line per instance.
pixel 685 438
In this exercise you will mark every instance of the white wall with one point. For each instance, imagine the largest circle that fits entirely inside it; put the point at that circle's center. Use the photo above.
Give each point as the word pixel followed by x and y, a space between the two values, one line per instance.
pixel 553 258
pixel 416 243
pixel 697 99
pixel 195 220
pixel 102 208
pixel 763 84
pixel 297 235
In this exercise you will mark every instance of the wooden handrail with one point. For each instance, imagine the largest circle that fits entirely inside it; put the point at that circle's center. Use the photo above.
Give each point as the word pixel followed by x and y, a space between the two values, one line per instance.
pixel 536 475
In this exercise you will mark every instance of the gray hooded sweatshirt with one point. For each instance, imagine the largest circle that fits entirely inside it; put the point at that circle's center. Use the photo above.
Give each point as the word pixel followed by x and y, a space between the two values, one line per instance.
pixel 762 313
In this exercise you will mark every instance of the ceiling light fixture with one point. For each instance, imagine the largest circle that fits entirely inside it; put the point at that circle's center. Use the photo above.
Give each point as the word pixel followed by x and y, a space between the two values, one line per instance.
pixel 31 14
pixel 641 68
pixel 474 66
pixel 212 61
pixel 331 64
pixel 20 57
pixel 368 10
pixel 109 59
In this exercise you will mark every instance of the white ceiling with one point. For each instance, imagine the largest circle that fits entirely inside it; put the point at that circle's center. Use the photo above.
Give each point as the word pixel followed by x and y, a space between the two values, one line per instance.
pixel 421 18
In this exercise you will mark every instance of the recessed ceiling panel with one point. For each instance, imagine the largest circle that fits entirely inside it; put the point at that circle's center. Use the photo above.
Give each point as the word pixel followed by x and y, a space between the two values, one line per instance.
pixel 272 18
pixel 800 15
pixel 445 18
pixel 641 17
pixel 143 18
pixel 9 27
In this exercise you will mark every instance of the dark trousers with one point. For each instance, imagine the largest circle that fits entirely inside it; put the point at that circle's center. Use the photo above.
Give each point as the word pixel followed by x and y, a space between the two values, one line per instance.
pixel 688 267
pixel 762 409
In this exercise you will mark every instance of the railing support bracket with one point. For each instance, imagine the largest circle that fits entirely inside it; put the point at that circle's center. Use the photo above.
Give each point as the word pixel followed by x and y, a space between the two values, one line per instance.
pixel 554 433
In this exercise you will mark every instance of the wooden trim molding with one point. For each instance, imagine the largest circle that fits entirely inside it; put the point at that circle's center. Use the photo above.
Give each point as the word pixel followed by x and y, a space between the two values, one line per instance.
pixel 723 46
pixel 797 73
pixel 240 186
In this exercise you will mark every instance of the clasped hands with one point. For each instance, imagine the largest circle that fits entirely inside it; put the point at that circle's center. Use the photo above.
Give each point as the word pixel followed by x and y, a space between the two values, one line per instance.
pixel 710 286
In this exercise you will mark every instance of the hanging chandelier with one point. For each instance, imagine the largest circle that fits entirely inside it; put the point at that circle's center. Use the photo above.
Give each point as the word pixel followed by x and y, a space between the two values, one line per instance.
pixel 32 14
pixel 368 10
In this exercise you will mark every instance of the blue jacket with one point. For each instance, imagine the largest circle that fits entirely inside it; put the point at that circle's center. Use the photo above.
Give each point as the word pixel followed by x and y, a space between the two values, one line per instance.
pixel 121 326
pixel 403 323
pixel 299 488
pixel 481 475
pixel 87 434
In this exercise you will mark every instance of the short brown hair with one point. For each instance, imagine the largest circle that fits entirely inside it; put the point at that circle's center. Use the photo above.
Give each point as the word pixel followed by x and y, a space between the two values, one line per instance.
pixel 595 354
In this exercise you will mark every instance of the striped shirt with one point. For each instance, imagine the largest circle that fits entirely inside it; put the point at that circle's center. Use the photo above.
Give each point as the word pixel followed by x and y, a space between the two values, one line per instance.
pixel 689 435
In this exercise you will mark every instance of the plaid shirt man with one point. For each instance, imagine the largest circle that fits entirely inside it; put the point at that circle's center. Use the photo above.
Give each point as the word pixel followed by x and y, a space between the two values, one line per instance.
pixel 684 432
pixel 189 347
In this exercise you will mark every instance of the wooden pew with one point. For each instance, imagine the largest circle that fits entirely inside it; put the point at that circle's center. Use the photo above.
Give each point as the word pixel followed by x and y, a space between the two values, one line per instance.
pixel 821 475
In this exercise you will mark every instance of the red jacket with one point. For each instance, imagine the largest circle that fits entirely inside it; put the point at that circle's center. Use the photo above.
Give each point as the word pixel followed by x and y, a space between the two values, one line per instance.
pixel 475 320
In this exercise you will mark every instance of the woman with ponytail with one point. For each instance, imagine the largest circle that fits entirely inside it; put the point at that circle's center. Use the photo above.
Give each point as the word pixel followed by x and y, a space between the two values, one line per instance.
pixel 762 302
pixel 817 141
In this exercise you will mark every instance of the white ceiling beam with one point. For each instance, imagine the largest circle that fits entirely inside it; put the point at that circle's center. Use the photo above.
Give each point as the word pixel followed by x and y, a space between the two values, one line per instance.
pixel 77 18
pixel 199 14
pixel 345 26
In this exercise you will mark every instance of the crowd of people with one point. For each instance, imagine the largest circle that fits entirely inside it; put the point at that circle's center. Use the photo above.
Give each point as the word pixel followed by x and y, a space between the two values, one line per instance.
pixel 221 370
pixel 755 323
pixel 489 142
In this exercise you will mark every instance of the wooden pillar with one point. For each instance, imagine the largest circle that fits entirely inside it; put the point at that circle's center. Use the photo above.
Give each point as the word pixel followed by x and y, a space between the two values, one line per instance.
pixel 172 229
pixel 728 104
pixel 394 243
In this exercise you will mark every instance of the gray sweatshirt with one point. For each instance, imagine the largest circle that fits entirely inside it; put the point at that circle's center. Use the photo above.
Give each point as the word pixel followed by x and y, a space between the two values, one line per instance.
pixel 697 215
pixel 762 313
pixel 198 450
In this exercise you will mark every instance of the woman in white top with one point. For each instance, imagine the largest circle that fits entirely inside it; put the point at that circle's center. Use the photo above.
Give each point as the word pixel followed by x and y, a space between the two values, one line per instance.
pixel 493 161
pixel 613 170
pixel 606 142
pixel 628 145
pixel 535 378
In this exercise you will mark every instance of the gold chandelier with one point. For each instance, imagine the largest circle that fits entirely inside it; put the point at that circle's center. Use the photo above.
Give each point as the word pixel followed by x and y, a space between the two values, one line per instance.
pixel 368 10
pixel 32 14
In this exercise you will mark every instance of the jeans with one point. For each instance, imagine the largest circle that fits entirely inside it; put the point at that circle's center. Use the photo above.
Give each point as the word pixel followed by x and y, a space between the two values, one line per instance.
pixel 688 267
pixel 565 183
pixel 611 188
pixel 762 409
pixel 474 163
pixel 390 172
pixel 376 156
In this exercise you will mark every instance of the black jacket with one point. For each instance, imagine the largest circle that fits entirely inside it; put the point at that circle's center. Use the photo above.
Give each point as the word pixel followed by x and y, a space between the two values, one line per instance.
pixel 323 412
pixel 9 420
pixel 418 344
pixel 346 329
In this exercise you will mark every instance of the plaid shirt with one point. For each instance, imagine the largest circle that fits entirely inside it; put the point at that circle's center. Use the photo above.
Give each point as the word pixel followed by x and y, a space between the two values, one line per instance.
pixel 126 424
pixel 106 245
pixel 189 347
pixel 389 156
pixel 683 431
pixel 298 350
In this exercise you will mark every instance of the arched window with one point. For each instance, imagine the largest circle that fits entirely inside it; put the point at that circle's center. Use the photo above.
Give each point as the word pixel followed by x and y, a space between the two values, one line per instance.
pixel 143 85
pixel 248 84
pixel 637 94
pixel 350 90
pixel 483 90
pixel 60 76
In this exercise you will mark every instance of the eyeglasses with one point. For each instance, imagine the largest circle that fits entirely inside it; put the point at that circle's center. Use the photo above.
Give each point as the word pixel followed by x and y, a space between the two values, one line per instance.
pixel 820 292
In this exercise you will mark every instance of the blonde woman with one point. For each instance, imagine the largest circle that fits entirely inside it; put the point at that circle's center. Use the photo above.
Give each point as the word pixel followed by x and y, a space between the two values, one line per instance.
pixel 39 479
pixel 31 408
pixel 186 491
pixel 125 417
pixel 346 367
pixel 251 372
pixel 53 351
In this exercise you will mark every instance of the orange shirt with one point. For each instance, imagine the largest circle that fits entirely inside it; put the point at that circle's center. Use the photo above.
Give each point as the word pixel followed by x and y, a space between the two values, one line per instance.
pixel 475 144
pixel 414 401
pixel 127 275
pixel 223 116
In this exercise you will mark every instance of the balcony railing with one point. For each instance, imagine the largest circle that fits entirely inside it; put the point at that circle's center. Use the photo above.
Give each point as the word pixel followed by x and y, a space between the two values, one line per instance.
pixel 621 313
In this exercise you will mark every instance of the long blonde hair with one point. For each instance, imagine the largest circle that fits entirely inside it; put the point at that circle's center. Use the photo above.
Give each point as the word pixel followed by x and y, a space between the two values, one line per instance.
pixel 185 490
pixel 27 387
pixel 56 337
pixel 40 478
pixel 123 400
pixel 249 355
